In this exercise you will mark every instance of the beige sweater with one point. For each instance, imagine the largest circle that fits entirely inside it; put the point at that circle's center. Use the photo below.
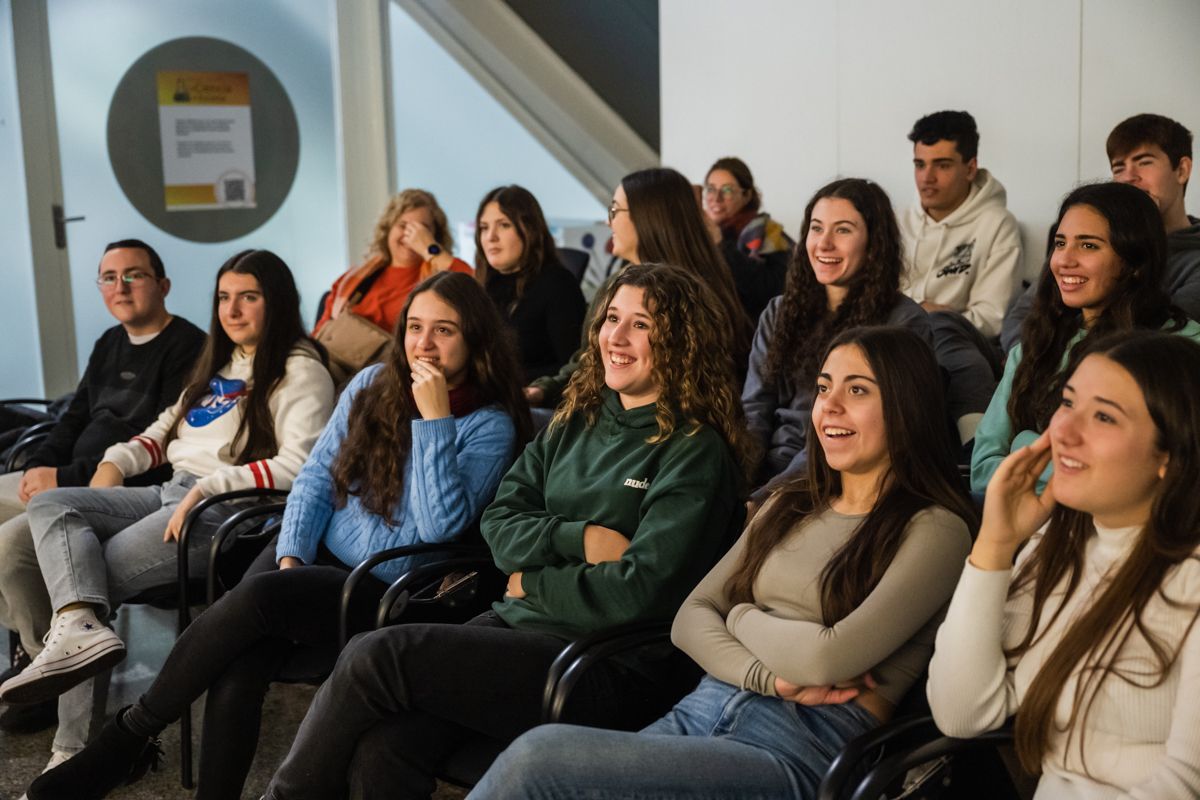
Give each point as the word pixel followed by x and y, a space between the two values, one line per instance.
pixel 781 633
pixel 1138 742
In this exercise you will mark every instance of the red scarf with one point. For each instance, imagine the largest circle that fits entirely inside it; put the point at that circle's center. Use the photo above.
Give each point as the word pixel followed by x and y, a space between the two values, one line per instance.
pixel 465 399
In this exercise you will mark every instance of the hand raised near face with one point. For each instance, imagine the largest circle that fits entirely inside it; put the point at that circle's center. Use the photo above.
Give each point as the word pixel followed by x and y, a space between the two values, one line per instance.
pixel 429 390
pixel 418 237
pixel 1013 510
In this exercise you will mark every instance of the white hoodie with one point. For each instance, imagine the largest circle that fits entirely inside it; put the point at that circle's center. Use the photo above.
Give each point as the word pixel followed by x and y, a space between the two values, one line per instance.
pixel 969 260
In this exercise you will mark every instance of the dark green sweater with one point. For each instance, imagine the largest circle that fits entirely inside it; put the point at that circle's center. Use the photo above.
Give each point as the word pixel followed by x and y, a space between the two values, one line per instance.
pixel 679 503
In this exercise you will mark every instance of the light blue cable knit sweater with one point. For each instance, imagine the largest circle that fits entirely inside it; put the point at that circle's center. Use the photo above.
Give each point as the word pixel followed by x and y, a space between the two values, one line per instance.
pixel 451 473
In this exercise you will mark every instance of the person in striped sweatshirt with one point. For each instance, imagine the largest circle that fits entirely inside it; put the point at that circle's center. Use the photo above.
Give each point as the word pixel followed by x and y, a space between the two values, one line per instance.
pixel 413 453
pixel 248 417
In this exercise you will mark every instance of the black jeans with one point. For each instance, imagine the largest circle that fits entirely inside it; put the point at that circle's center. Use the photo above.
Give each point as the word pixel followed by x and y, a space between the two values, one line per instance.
pixel 402 699
pixel 239 645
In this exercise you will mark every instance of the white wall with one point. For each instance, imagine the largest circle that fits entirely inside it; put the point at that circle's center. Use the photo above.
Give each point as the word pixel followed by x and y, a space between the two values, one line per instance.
pixel 20 356
pixel 93 43
pixel 806 91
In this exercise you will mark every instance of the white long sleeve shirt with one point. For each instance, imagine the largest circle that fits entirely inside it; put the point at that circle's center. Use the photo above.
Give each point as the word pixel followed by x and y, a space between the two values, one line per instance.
pixel 205 446
pixel 1138 741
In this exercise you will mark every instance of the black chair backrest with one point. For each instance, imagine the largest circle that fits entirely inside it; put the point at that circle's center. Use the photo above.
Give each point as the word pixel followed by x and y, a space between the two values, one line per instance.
pixel 574 260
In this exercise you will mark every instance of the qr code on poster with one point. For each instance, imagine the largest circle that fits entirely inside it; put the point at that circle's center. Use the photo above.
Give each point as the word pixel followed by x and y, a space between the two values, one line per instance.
pixel 235 190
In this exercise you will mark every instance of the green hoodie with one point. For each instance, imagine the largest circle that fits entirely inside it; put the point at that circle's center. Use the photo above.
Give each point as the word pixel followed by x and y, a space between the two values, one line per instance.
pixel 679 503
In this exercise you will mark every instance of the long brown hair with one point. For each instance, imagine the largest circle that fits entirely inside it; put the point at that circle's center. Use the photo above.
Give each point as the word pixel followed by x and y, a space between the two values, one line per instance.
pixel 670 230
pixel 1167 370
pixel 282 332
pixel 371 459
pixel 1137 236
pixel 922 474
pixel 691 368
pixel 538 248
pixel 804 324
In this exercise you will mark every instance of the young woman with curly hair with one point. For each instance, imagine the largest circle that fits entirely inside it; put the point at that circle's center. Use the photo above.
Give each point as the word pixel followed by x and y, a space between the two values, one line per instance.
pixel 415 449
pixel 1103 274
pixel 1090 638
pixel 610 517
pixel 517 262
pixel 844 274
pixel 815 624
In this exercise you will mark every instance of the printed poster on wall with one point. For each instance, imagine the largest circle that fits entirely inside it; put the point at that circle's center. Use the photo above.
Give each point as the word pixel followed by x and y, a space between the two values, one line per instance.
pixel 207 147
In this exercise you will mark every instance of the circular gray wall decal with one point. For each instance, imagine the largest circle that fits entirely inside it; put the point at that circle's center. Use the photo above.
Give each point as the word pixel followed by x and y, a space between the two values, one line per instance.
pixel 218 79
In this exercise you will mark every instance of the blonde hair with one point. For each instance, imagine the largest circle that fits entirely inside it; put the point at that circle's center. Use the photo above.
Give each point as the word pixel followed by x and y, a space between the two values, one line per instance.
pixel 406 201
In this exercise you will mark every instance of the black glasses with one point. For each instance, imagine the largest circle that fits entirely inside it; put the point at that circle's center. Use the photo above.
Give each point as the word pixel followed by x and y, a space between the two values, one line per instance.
pixel 613 210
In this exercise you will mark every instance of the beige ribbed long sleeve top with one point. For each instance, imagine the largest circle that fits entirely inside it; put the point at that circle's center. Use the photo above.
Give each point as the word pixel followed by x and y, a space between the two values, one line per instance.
pixel 1139 741
pixel 781 633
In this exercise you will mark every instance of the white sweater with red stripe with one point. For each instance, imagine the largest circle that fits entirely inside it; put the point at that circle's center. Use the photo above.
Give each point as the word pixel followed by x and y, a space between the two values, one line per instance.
pixel 300 406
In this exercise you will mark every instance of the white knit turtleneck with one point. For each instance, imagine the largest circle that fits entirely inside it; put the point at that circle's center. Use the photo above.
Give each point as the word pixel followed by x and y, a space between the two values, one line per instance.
pixel 1138 741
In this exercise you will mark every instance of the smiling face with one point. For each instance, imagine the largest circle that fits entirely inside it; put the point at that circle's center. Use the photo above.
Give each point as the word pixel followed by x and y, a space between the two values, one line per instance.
pixel 943 179
pixel 848 415
pixel 137 305
pixel 241 309
pixel 402 255
pixel 625 348
pixel 724 198
pixel 433 334
pixel 499 239
pixel 1083 262
pixel 1107 461
pixel 620 222
pixel 837 243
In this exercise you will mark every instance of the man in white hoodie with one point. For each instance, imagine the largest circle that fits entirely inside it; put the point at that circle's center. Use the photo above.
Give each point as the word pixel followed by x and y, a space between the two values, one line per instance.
pixel 962 246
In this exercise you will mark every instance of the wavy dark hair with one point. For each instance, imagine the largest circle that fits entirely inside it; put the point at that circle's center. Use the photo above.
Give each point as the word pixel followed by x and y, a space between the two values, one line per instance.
pixel 694 377
pixel 670 230
pixel 922 473
pixel 282 333
pixel 741 173
pixel 1167 370
pixel 804 324
pixel 1136 234
pixel 371 459
pixel 538 248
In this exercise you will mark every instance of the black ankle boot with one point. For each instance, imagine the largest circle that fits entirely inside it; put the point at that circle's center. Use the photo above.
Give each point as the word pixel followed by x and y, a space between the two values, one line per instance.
pixel 115 757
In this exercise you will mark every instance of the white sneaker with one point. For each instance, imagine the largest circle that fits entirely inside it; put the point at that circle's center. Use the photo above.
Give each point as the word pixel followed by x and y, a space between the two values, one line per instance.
pixel 77 647
pixel 56 757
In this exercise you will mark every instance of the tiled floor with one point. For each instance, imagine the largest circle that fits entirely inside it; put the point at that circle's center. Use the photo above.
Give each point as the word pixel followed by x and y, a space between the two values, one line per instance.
pixel 23 757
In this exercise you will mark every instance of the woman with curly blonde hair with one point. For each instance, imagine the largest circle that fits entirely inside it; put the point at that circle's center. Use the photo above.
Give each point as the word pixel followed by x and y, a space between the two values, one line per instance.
pixel 610 517
pixel 411 242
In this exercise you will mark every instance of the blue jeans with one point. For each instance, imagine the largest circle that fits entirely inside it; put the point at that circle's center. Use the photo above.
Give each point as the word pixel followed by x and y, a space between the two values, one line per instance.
pixel 104 546
pixel 719 742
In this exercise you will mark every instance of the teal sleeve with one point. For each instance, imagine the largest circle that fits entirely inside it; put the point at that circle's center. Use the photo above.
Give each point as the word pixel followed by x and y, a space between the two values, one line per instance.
pixel 994 436
pixel 520 531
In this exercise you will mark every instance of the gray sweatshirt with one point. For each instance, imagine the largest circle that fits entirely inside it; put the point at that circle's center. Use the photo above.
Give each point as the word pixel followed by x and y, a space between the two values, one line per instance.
pixel 777 414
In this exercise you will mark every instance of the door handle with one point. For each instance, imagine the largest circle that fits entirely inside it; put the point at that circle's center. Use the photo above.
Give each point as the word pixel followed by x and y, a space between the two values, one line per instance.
pixel 60 225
